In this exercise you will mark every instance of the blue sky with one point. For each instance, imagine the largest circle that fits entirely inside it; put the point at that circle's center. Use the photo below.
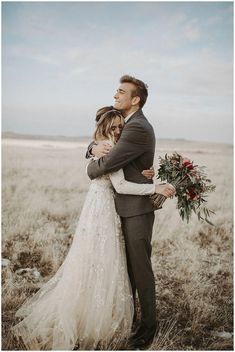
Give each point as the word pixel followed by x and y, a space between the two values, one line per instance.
pixel 63 60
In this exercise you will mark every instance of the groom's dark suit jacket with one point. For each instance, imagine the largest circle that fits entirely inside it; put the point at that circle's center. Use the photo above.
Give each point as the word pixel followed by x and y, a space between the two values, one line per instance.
pixel 134 152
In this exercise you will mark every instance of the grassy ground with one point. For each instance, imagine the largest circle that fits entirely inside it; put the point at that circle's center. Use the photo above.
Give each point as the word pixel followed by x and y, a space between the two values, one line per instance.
pixel 42 196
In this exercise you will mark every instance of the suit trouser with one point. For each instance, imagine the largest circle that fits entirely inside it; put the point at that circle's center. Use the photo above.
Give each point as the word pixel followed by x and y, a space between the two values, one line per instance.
pixel 138 234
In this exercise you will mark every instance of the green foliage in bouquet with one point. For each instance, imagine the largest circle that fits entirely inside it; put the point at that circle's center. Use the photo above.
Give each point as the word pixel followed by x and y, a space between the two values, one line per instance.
pixel 191 183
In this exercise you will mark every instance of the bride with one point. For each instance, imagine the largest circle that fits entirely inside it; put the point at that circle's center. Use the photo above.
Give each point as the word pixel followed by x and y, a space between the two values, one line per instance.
pixel 88 301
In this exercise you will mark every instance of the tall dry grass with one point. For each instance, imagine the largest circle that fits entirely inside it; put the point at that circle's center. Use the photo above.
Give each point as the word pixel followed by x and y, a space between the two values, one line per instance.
pixel 43 191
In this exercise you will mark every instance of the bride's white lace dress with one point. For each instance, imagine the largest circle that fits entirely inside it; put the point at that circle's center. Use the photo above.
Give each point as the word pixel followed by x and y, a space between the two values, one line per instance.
pixel 88 301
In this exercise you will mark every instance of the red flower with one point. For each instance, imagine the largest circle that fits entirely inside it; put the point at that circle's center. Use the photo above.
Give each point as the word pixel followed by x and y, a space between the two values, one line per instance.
pixel 192 195
pixel 187 163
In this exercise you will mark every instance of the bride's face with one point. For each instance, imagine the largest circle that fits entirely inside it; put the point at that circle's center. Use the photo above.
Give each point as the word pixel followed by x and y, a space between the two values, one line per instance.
pixel 117 127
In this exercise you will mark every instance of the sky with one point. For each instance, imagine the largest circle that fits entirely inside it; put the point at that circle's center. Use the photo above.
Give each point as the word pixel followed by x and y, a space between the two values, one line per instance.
pixel 62 61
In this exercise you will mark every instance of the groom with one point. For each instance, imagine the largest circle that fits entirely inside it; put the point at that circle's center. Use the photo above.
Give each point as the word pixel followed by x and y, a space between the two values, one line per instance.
pixel 134 152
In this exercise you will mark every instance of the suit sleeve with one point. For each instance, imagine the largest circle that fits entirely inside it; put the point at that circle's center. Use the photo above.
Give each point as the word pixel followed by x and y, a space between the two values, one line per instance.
pixel 89 148
pixel 123 186
pixel 130 146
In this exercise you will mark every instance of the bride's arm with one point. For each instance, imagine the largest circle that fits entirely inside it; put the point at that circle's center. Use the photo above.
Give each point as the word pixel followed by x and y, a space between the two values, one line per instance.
pixel 123 186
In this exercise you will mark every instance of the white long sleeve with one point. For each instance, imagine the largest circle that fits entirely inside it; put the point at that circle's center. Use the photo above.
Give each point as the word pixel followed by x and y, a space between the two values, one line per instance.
pixel 123 186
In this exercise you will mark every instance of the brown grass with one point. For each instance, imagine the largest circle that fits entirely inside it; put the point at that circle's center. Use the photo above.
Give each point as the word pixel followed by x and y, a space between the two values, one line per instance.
pixel 42 197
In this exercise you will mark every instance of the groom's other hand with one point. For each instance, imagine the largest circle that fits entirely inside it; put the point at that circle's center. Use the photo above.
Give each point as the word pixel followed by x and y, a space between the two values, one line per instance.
pixel 101 149
pixel 150 173
pixel 166 190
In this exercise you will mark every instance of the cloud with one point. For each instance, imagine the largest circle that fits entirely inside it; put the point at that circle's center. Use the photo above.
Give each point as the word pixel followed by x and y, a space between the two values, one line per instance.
pixel 75 53
pixel 201 72
pixel 214 20
pixel 192 31
pixel 30 52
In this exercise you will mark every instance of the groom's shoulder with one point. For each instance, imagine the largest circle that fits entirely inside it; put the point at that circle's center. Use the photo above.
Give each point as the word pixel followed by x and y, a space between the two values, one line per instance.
pixel 139 118
pixel 142 120
pixel 142 127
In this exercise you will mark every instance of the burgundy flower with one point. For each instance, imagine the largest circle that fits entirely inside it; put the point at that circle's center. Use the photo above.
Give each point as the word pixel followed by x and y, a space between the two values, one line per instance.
pixel 192 195
pixel 187 163
pixel 190 183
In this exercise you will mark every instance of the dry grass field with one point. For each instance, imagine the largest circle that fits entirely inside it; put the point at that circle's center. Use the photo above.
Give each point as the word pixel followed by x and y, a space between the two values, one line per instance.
pixel 44 185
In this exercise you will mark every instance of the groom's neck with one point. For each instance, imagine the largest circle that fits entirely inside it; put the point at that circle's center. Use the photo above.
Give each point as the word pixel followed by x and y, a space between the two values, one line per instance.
pixel 130 111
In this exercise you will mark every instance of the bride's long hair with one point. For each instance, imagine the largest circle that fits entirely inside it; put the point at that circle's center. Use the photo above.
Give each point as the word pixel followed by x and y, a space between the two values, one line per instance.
pixel 104 121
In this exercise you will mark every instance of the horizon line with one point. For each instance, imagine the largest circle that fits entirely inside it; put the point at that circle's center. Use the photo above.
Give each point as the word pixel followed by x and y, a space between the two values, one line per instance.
pixel 19 135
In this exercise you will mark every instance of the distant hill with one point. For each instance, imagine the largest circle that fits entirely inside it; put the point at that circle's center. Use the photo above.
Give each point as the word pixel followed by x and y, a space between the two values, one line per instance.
pixel 13 135
pixel 85 139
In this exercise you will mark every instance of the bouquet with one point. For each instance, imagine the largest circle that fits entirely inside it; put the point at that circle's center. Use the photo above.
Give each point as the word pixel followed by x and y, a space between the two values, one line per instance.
pixel 191 184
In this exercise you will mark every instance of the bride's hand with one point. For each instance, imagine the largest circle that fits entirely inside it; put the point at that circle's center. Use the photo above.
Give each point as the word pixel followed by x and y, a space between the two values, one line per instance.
pixel 101 149
pixel 166 190
pixel 150 173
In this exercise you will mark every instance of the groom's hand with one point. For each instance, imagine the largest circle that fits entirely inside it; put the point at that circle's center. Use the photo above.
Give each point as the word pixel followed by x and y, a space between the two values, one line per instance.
pixel 166 190
pixel 101 149
pixel 150 173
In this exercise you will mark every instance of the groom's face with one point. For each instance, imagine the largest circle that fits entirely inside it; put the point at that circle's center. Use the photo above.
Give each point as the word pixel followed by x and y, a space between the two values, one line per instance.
pixel 123 97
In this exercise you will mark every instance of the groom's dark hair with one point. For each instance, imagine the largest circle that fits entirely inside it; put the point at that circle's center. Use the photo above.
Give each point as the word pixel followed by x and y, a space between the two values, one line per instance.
pixel 141 89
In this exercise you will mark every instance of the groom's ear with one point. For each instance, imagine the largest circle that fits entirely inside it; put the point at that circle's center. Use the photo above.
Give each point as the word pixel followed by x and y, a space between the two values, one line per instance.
pixel 135 100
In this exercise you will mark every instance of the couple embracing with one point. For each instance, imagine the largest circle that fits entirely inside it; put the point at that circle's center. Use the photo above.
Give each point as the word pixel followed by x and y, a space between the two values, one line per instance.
pixel 91 300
